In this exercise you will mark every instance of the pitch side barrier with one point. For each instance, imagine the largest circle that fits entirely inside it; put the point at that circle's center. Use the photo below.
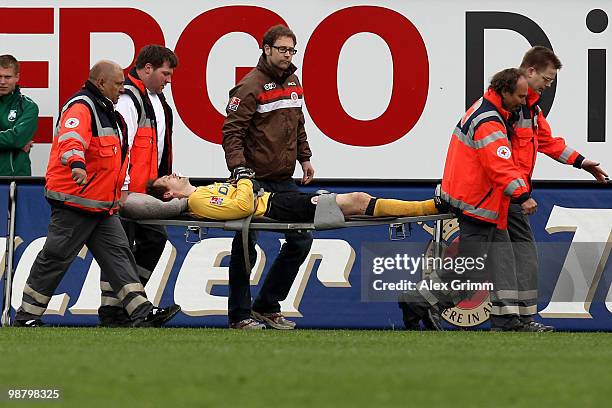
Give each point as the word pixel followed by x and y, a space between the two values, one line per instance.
pixel 572 227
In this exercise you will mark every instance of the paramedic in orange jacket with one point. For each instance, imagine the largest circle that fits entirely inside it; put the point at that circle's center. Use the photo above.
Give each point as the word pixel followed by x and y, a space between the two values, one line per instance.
pixel 532 135
pixel 149 121
pixel 86 170
pixel 480 179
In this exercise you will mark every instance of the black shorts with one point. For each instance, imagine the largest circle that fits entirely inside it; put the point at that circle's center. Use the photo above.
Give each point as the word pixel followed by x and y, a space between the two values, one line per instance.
pixel 292 206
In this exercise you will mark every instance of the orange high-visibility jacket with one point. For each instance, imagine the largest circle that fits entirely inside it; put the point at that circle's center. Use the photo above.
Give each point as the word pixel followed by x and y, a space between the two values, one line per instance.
pixel 480 176
pixel 143 154
pixel 88 136
pixel 533 135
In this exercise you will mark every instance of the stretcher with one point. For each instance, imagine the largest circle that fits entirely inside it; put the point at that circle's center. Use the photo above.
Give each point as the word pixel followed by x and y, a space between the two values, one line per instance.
pixel 399 228
pixel 145 209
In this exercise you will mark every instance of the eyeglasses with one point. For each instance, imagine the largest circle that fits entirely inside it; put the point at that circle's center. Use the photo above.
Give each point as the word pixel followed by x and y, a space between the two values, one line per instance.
pixel 284 50
pixel 548 80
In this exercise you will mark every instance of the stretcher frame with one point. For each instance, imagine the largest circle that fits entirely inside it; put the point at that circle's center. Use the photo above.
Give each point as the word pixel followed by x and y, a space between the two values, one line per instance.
pixel 399 227
pixel 267 224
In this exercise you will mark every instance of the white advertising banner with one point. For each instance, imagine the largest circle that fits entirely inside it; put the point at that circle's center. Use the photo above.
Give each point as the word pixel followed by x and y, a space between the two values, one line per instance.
pixel 385 82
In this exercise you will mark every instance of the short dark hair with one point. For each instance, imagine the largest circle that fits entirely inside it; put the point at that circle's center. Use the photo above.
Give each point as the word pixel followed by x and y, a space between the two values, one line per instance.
pixel 156 191
pixel 274 33
pixel 8 61
pixel 156 55
pixel 540 58
pixel 506 80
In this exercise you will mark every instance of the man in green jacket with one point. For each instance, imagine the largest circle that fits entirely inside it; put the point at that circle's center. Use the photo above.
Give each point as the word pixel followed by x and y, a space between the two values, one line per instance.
pixel 18 121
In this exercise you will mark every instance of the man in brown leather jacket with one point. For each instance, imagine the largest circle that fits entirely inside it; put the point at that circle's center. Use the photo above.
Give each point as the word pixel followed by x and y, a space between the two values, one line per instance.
pixel 263 137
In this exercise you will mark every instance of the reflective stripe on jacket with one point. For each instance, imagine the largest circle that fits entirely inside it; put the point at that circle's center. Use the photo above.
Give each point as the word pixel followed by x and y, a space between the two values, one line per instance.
pixel 87 136
pixel 480 176
pixel 143 153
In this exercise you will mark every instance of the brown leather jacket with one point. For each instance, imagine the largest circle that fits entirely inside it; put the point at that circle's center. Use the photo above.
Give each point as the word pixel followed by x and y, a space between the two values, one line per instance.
pixel 264 127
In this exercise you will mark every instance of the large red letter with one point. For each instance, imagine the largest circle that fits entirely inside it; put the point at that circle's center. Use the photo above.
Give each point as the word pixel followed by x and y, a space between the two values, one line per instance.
pixel 33 74
pixel 77 24
pixel 189 87
pixel 410 76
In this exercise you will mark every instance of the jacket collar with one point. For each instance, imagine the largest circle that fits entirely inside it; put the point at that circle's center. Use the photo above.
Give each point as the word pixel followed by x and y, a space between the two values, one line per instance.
pixel 135 79
pixel 496 100
pixel 102 100
pixel 15 92
pixel 267 69
pixel 533 98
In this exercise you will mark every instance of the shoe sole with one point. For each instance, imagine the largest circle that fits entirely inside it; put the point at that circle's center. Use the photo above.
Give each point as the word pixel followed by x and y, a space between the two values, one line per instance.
pixel 162 321
pixel 30 326
pixel 502 330
pixel 271 323
pixel 533 331
pixel 249 327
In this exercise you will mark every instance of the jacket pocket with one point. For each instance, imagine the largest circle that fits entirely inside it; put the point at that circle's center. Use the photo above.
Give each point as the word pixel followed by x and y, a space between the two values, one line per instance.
pixel 524 153
pixel 142 150
pixel 109 147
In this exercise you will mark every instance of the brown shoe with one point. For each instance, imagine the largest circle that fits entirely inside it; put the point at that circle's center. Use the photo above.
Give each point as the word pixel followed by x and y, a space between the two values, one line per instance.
pixel 247 324
pixel 274 320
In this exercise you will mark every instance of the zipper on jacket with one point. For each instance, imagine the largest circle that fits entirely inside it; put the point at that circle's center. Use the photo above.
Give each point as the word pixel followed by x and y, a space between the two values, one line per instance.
pixel 484 198
pixel 122 161
pixel 533 144
pixel 11 160
pixel 88 183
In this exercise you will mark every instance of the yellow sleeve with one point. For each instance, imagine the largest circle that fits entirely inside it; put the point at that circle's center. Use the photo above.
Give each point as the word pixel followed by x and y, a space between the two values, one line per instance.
pixel 222 201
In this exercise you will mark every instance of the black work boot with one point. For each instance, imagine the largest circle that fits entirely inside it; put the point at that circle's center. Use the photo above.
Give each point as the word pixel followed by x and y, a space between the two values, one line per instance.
pixel 157 316
pixel 112 316
pixel 28 323
pixel 414 312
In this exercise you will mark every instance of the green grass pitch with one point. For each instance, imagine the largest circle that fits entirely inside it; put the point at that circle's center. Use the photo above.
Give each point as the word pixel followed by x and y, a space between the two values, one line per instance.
pixel 311 368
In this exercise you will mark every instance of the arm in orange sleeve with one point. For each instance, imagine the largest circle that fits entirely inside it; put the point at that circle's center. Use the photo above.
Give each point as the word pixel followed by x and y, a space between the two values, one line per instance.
pixel 555 147
pixel 494 153
pixel 74 135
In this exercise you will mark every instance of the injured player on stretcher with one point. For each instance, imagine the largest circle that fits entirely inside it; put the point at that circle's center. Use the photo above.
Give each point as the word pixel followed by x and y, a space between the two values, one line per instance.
pixel 230 201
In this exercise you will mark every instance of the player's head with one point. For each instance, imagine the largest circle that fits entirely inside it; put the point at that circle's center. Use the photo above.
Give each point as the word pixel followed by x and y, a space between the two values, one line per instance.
pixel 540 65
pixel 168 187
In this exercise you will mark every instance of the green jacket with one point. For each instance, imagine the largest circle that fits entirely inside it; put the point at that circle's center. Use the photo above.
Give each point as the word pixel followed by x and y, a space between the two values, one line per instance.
pixel 18 122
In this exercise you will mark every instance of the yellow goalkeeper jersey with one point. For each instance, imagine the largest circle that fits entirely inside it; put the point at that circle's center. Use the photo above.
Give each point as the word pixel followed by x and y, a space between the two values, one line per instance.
pixel 223 201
